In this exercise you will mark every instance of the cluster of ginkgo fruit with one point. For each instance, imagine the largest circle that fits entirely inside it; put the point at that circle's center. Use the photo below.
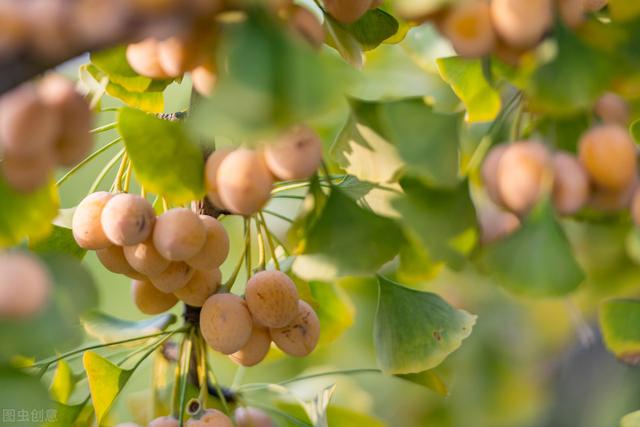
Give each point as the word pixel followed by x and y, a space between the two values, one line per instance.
pixel 42 125
pixel 193 50
pixel 240 180
pixel 602 176
pixel 506 28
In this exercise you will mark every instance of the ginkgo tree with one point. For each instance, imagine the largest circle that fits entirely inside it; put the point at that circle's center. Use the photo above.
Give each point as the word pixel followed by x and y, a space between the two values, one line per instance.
pixel 316 142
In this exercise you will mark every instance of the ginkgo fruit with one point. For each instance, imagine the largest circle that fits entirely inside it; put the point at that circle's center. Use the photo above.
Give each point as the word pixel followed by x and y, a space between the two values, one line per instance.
pixel 489 172
pixel 306 24
pixel 174 277
pixel 216 246
pixel 244 182
pixel 272 298
pixel 609 155
pixel 252 417
pixel 300 337
pixel 149 299
pixel 178 55
pixel 166 421
pixel 521 23
pixel 28 173
pixel 608 201
pixel 297 154
pixel 204 78
pixel 74 141
pixel 572 12
pixel 179 234
pixel 20 109
pixel 113 259
pixel 86 224
pixel 144 58
pixel 256 349
pixel 495 223
pixel 127 219
pixel 145 259
pixel 613 109
pixel 571 185
pixel 521 174
pixel 200 287
pixel 226 323
pixel 468 27
pixel 210 418
pixel 25 285
pixel 347 11
pixel 211 174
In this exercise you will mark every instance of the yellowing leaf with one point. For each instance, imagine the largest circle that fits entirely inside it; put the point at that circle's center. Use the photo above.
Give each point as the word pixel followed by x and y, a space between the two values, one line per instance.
pixel 63 383
pixel 106 381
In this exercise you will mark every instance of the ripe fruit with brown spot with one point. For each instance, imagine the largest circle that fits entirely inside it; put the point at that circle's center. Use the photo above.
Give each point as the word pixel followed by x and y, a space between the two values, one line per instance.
pixel 226 323
pixel 211 174
pixel 25 286
pixel 295 155
pixel 215 248
pixel 256 348
pixel 204 78
pixel 489 173
pixel 86 223
pixel 29 173
pixel 272 298
pixel 522 170
pixel 74 141
pixel 613 109
pixel 244 182
pixel 166 421
pixel 127 219
pixel 145 259
pixel 210 418
pixel 149 299
pixel 179 234
pixel 469 29
pixel 300 337
pixel 144 58
pixel 200 287
pixel 174 277
pixel 570 184
pixel 20 109
pixel 609 155
pixel 252 417
pixel 347 11
pixel 521 23
pixel 113 259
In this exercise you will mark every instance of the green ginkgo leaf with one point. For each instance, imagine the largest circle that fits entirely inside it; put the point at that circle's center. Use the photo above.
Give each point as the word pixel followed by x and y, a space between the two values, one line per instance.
pixel 619 320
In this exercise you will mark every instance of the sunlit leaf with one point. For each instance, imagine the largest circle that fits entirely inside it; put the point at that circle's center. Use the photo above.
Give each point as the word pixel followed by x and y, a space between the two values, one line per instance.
pixel 631 420
pixel 334 308
pixel 624 10
pixel 26 215
pixel 106 381
pixel 619 320
pixel 373 28
pixel 470 85
pixel 346 239
pixel 537 259
pixel 164 159
pixel 107 328
pixel 63 383
pixel 113 62
pixel 415 331
pixel 429 379
pixel 60 240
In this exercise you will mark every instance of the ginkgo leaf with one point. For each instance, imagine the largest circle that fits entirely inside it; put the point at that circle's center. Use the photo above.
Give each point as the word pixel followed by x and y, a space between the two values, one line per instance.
pixel 106 381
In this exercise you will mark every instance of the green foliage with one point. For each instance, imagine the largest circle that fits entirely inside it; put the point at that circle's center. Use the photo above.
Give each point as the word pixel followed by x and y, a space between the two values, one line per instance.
pixel 624 10
pixel 106 381
pixel 164 159
pixel 415 331
pixel 334 309
pixel 619 319
pixel 537 259
pixel 270 81
pixel 327 249
pixel 429 379
pixel 631 420
pixel 26 215
pixel 56 327
pixel 572 80
pixel 427 141
pixel 107 328
pixel 22 392
pixel 60 241
pixel 468 81
pixel 113 63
